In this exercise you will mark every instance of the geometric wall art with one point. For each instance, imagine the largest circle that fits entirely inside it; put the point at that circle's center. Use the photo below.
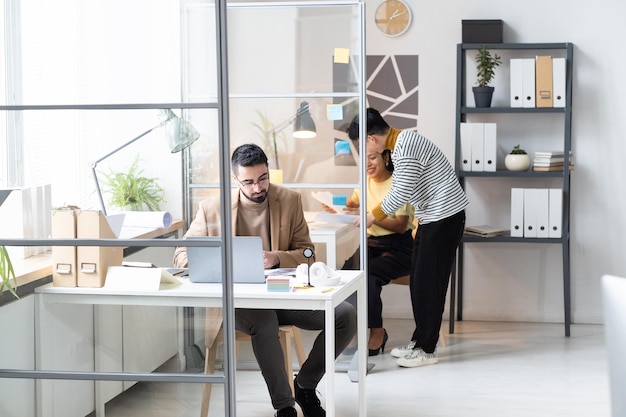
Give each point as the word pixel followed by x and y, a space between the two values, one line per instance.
pixel 392 88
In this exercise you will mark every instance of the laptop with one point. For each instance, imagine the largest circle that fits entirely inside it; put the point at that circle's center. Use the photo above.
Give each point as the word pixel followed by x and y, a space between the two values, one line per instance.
pixel 614 297
pixel 205 263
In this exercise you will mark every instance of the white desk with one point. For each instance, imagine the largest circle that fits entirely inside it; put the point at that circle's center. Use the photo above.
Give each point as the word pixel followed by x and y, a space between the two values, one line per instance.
pixel 245 296
pixel 341 240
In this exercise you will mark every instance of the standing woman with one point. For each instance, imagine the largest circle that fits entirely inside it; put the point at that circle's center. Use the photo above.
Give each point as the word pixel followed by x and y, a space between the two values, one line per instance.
pixel 424 178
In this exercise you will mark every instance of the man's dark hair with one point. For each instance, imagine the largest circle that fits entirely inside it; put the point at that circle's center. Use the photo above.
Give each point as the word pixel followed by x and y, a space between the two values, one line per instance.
pixel 246 156
pixel 376 125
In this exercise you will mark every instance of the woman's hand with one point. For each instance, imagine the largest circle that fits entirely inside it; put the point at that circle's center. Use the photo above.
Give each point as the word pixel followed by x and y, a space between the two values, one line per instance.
pixel 328 209
pixel 370 219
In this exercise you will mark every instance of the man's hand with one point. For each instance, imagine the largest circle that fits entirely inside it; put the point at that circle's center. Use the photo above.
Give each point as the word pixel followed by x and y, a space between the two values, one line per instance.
pixel 270 260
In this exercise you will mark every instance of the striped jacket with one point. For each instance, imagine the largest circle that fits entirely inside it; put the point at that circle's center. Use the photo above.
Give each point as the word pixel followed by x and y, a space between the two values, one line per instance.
pixel 422 177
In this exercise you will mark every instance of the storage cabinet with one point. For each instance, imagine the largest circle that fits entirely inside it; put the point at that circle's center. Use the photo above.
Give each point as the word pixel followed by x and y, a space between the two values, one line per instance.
pixel 524 118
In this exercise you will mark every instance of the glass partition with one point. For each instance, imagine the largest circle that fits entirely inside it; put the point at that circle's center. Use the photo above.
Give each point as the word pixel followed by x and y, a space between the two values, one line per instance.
pixel 84 88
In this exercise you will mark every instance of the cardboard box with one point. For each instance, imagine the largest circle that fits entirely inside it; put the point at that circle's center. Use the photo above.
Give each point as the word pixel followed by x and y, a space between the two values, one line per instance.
pixel 93 261
pixel 64 257
pixel 481 31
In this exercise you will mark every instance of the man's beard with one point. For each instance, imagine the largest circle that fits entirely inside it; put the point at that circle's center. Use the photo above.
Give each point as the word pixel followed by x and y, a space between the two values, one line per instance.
pixel 256 197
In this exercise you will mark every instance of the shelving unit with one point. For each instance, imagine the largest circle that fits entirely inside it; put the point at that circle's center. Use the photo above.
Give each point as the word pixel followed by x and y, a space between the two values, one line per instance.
pixel 462 113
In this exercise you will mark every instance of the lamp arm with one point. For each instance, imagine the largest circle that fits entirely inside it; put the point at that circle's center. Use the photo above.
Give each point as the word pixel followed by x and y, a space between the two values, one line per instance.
pixel 95 163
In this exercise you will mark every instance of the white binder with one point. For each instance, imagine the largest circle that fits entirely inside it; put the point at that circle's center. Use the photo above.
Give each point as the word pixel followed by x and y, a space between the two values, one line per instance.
pixel 489 147
pixel 555 212
pixel 530 212
pixel 516 83
pixel 542 210
pixel 517 212
pixel 466 147
pixel 478 147
pixel 528 82
pixel 558 81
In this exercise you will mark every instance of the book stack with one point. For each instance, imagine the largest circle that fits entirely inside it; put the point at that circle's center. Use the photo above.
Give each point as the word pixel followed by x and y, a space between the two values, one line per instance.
pixel 549 161
pixel 484 230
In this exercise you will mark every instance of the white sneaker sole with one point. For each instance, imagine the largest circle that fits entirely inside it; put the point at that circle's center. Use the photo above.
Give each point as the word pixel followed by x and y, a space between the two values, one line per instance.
pixel 400 353
pixel 414 363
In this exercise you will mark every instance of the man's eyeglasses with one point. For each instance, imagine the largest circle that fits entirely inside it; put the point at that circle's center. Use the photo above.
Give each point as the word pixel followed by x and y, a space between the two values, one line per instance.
pixel 261 181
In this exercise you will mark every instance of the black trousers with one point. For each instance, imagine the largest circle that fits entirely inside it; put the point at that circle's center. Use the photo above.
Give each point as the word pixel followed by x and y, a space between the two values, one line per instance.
pixel 389 257
pixel 434 250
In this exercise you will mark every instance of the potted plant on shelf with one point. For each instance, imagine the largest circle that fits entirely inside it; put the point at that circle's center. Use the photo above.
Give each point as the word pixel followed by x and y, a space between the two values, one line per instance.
pixel 485 65
pixel 132 191
pixel 7 274
pixel 517 160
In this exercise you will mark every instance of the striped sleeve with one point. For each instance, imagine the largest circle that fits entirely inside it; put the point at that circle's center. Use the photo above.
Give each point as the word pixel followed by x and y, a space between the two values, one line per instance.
pixel 424 178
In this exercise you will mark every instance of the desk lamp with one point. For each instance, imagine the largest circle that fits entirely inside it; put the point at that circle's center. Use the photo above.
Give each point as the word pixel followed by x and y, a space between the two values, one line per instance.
pixel 180 134
pixel 304 127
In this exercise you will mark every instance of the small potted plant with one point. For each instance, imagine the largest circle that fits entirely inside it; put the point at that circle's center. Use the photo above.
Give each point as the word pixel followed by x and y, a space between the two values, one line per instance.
pixel 485 66
pixel 517 160
pixel 7 274
pixel 132 191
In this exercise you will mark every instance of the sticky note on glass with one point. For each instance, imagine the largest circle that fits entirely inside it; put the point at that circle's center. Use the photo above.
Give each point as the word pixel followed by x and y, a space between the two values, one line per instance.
pixel 339 200
pixel 334 112
pixel 342 55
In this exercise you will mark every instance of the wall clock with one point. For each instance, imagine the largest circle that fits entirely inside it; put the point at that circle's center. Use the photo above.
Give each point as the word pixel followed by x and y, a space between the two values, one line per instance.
pixel 393 17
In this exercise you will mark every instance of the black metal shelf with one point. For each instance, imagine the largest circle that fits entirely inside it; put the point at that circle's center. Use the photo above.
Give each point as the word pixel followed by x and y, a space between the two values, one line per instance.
pixel 501 173
pixel 513 46
pixel 462 110
pixel 507 238
pixel 493 110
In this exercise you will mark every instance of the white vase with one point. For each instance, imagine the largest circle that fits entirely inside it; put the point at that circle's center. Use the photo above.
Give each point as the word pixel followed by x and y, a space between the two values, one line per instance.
pixel 517 162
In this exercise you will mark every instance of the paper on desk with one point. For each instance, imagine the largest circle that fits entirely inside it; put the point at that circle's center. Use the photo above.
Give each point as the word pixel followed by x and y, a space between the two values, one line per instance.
pixel 152 219
pixel 325 197
pixel 336 218
pixel 134 278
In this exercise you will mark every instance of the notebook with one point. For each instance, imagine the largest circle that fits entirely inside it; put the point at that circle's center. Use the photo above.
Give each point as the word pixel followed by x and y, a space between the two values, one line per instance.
pixel 205 263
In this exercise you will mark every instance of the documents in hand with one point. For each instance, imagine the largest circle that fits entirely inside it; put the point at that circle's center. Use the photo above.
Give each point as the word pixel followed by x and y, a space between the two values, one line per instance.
pixel 335 218
pixel 484 231
pixel 326 198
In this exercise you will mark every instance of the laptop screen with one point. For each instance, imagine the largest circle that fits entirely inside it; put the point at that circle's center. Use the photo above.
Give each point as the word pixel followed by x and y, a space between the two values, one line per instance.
pixel 205 263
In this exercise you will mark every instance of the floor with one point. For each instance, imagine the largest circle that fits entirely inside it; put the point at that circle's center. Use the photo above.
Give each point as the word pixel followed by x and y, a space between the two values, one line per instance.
pixel 487 369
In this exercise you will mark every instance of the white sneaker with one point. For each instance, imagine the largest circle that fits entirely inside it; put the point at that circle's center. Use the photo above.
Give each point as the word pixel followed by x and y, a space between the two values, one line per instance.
pixel 402 351
pixel 418 358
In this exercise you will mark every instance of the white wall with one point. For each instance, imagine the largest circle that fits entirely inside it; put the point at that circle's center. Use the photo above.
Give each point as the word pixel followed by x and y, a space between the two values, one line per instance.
pixel 522 281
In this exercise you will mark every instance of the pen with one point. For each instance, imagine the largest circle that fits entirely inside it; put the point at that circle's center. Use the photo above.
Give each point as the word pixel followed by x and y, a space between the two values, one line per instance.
pixel 300 287
pixel 328 290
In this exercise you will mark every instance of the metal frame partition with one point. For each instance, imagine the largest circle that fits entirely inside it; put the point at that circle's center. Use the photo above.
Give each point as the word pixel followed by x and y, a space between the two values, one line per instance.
pixel 222 106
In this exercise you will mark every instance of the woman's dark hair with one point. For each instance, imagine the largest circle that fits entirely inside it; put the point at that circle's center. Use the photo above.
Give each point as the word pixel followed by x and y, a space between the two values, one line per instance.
pixel 387 158
pixel 376 125
pixel 246 156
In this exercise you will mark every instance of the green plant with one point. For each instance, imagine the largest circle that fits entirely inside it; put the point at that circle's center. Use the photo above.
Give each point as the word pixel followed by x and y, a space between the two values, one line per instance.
pixel 270 136
pixel 485 65
pixel 518 151
pixel 132 190
pixel 8 281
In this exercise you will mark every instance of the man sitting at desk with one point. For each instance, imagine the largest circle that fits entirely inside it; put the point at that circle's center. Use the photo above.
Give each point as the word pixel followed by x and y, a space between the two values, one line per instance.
pixel 274 213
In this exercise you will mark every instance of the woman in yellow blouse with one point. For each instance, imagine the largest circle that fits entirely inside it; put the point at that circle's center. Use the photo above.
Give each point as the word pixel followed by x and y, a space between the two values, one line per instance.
pixel 389 242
